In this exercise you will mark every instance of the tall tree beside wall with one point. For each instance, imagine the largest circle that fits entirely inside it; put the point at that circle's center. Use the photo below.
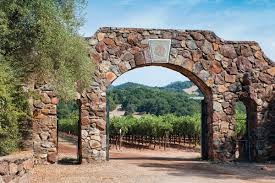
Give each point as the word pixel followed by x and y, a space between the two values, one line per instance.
pixel 40 43
pixel 40 40
pixel 12 110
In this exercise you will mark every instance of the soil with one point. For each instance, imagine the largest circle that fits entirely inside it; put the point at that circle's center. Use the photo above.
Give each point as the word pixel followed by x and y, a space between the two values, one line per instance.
pixel 152 166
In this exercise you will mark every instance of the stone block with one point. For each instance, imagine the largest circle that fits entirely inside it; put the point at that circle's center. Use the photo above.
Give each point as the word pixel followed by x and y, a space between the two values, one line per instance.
pixel 94 144
pixel 127 56
pixel 101 124
pixel 229 78
pixel 217 106
pixel 94 131
pixel 187 64
pixel 4 168
pixel 7 178
pixel 139 58
pixel 271 71
pixel 24 179
pixel 109 41
pixel 45 98
pixel 222 88
pixel 100 36
pixel 228 51
pixel 95 137
pixel 55 100
pixel 13 169
pixel 110 76
pixel 52 157
pixel 197 36
pixel 191 44
pixel 85 120
pixel 132 38
pixel 216 67
pixel 207 47
pixel 100 47
pixel 44 135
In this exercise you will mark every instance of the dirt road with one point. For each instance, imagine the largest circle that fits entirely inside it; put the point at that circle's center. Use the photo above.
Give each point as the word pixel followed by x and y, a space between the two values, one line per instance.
pixel 147 166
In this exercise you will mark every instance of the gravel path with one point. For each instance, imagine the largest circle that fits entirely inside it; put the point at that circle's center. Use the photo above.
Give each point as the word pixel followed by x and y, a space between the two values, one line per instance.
pixel 146 166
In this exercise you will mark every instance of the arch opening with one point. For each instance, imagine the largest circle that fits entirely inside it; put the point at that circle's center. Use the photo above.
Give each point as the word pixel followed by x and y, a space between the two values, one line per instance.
pixel 68 132
pixel 204 118
pixel 177 68
pixel 245 126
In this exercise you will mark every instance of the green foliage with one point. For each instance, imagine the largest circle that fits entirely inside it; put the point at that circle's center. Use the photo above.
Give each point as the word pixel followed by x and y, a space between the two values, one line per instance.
pixel 40 41
pixel 12 110
pixel 240 116
pixel 240 107
pixel 68 116
pixel 130 109
pixel 69 124
pixel 112 103
pixel 156 126
pixel 66 108
pixel 140 98
pixel 240 123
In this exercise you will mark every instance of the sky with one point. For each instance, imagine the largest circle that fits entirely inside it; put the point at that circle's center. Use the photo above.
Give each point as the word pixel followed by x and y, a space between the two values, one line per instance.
pixel 240 20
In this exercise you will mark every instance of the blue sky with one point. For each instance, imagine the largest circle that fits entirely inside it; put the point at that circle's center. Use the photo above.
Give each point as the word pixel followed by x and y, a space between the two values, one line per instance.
pixel 230 20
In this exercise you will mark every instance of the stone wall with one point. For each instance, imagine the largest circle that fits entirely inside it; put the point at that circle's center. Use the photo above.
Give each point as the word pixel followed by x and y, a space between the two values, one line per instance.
pixel 219 68
pixel 16 167
pixel 225 71
pixel 44 124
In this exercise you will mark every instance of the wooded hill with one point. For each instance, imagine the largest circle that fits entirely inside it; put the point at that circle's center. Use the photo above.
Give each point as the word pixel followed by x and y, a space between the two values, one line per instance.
pixel 154 100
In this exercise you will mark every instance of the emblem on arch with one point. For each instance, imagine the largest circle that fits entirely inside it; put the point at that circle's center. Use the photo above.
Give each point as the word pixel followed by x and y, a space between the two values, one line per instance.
pixel 160 50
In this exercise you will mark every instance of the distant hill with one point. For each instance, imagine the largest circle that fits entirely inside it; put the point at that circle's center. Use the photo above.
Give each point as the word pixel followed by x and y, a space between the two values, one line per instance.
pixel 130 85
pixel 137 98
pixel 179 86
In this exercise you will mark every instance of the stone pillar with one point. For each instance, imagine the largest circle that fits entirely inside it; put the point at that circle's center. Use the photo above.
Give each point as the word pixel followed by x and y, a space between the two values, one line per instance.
pixel 222 130
pixel 264 132
pixel 44 125
pixel 93 124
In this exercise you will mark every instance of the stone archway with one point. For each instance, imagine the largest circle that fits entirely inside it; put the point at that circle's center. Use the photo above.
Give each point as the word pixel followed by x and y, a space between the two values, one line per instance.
pixel 223 70
pixel 217 67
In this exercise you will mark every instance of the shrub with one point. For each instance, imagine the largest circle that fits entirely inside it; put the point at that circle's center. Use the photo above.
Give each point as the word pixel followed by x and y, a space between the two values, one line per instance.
pixel 69 124
pixel 12 110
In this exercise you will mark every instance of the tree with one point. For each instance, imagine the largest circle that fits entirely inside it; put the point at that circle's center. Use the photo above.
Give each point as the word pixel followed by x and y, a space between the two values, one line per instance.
pixel 40 40
pixel 129 110
pixel 12 110
pixel 39 43
pixel 152 100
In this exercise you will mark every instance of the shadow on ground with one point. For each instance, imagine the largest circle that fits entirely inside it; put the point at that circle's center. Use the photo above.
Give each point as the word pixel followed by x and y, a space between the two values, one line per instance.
pixel 155 158
pixel 68 161
pixel 196 167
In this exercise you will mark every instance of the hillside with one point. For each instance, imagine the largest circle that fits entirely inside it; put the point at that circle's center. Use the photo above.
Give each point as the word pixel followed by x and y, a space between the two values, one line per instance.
pixel 178 86
pixel 153 100
pixel 185 86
